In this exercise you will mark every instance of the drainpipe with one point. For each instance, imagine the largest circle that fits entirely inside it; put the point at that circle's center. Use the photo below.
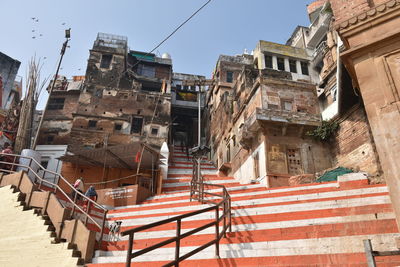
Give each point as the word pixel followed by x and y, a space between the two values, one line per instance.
pixel 338 71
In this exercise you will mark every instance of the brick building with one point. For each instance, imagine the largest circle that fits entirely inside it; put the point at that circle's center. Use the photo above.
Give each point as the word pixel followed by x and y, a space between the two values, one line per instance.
pixel 352 145
pixel 260 108
pixel 102 119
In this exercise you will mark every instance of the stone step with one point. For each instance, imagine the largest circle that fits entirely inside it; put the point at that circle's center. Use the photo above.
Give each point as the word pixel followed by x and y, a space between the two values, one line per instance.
pixel 313 246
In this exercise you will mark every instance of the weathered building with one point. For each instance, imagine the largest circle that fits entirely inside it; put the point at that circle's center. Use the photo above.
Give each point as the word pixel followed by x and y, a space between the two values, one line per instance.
pixel 123 101
pixel 352 144
pixel 263 114
pixel 10 94
pixel 8 72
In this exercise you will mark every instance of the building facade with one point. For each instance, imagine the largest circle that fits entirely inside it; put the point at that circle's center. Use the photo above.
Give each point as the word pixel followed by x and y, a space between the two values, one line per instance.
pixel 266 103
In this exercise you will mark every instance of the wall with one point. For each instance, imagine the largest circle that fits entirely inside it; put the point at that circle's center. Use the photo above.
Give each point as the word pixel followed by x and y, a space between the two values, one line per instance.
pixel 8 71
pixel 301 96
pixel 372 58
pixel 50 154
pixel 346 9
pixel 119 107
pixel 314 156
pixel 353 145
pixel 243 164
pixel 57 123
pixel 91 174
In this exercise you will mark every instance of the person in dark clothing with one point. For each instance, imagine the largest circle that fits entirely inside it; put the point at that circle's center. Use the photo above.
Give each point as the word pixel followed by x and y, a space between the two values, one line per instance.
pixel 91 194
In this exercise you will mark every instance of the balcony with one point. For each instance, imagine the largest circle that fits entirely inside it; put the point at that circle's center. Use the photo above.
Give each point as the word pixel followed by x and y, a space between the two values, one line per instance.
pixel 282 118
pixel 318 30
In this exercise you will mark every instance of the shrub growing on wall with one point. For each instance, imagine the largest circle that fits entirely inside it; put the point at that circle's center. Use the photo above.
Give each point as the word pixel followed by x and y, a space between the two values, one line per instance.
pixel 325 131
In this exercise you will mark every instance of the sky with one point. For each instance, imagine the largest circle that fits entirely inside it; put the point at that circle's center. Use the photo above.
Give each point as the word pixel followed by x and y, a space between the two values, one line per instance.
pixel 222 27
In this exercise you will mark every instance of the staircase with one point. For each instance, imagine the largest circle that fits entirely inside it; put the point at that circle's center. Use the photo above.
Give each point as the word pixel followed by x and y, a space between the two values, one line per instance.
pixel 306 225
pixel 24 239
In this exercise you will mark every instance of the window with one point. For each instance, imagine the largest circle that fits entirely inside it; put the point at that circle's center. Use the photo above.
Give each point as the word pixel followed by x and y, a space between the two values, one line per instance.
pixel 268 62
pixel 334 93
pixel 137 124
pixel 272 106
pixel 302 109
pixel 304 68
pixel 118 127
pixel 154 131
pixel 56 103
pixel 281 63
pixel 92 124
pixel 105 61
pixel 148 71
pixel 50 139
pixel 287 105
pixel 229 76
pixel 292 65
pixel 234 141
pixel 228 153
pixel 45 162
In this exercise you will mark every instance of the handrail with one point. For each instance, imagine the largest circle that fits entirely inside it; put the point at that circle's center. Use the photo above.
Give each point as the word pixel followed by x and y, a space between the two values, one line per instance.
pixel 225 204
pixel 57 187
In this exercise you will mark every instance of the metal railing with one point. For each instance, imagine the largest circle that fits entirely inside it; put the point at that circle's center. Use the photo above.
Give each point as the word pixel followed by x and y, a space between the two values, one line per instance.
pixel 41 181
pixel 371 254
pixel 224 204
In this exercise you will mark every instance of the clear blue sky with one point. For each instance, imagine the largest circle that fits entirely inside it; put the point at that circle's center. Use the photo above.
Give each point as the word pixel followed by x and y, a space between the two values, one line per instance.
pixel 223 27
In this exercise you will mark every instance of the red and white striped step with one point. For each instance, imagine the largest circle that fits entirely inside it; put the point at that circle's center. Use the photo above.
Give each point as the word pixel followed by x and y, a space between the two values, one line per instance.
pixel 307 225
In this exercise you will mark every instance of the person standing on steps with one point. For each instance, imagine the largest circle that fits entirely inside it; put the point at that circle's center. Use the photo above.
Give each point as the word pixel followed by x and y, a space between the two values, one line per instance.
pixel 79 186
pixel 7 158
pixel 91 194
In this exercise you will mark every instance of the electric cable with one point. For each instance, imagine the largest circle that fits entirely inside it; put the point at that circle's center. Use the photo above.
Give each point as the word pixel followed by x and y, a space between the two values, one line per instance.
pixel 164 40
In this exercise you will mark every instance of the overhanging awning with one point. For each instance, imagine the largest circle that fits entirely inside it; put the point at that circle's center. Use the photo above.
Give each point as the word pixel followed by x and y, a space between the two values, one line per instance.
pixel 120 156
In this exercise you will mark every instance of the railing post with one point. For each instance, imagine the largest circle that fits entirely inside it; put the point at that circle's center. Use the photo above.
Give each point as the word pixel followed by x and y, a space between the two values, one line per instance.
pixel 73 205
pixel 12 167
pixel 129 254
pixel 178 242
pixel 30 163
pixel 230 215
pixel 87 211
pixel 102 228
pixel 369 253
pixel 217 231
pixel 225 214
pixel 55 187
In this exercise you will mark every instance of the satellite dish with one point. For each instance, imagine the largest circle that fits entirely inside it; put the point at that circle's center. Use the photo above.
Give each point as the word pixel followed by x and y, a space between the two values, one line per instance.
pixel 166 56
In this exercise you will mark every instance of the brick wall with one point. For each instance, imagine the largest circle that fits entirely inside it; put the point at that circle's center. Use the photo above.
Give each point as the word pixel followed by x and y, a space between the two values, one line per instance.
pixel 353 145
pixel 315 5
pixel 346 9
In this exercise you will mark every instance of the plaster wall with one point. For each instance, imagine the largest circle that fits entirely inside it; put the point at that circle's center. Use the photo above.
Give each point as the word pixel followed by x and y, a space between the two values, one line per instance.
pixel 50 154
pixel 245 173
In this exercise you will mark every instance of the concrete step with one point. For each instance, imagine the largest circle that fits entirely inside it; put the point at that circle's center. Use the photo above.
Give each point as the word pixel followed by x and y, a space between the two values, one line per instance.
pixel 342 244
pixel 315 221
pixel 24 240
pixel 248 199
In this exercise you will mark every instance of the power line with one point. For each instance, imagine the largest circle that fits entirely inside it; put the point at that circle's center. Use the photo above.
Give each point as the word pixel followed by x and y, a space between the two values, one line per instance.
pixel 180 26
pixel 166 38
